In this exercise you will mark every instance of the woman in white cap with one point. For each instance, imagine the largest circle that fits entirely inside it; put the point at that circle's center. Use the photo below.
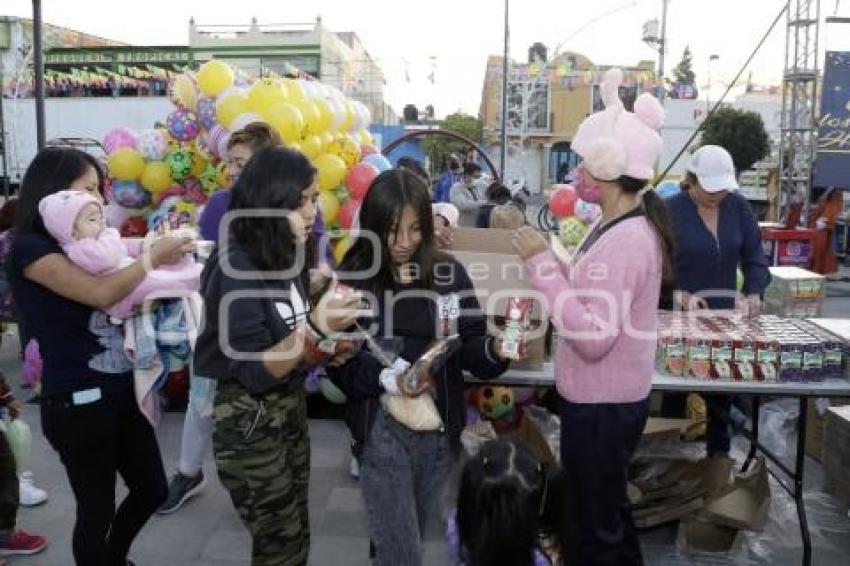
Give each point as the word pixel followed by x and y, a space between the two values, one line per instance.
pixel 715 231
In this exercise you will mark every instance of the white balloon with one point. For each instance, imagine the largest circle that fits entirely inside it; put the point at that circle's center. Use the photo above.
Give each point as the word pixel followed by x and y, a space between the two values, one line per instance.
pixel 338 109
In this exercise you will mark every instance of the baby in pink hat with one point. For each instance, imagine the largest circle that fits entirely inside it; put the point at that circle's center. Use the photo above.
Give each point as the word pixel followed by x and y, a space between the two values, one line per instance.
pixel 76 220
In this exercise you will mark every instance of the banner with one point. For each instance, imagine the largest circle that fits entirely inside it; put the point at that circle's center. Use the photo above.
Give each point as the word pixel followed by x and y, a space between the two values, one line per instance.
pixel 832 165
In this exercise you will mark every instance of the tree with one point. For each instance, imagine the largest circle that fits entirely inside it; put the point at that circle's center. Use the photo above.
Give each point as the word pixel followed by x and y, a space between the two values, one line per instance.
pixel 742 133
pixel 683 72
pixel 438 148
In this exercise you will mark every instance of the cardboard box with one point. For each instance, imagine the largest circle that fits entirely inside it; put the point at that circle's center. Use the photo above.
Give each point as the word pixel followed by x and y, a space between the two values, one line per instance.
pixel 703 536
pixel 794 292
pixel 815 422
pixel 497 274
pixel 747 504
pixel 836 454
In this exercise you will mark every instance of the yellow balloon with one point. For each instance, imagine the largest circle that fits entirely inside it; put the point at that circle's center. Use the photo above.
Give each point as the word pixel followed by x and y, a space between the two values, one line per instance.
pixel 311 146
pixel 125 164
pixel 329 205
pixel 345 148
pixel 312 118
pixel 365 137
pixel 287 120
pixel 350 116
pixel 326 114
pixel 341 248
pixel 295 91
pixel 331 170
pixel 229 107
pixel 327 140
pixel 214 76
pixel 156 176
pixel 264 94
pixel 200 160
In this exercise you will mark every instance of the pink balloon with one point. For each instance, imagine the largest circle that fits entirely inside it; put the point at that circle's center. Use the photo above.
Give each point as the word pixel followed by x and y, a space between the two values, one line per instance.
pixel 359 179
pixel 118 138
pixel 563 200
pixel 347 213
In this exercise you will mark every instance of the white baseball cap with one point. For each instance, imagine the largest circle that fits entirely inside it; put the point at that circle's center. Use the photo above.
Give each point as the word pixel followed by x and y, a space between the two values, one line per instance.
pixel 714 169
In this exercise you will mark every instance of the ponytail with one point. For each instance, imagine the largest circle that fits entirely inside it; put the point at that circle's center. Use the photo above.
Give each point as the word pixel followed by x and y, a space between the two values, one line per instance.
pixel 656 212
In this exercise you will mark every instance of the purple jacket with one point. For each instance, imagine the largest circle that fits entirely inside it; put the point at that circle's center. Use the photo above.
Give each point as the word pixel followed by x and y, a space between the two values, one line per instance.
pixel 219 203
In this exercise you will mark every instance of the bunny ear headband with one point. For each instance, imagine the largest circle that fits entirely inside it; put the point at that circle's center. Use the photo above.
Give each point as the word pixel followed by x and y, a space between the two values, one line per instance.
pixel 616 142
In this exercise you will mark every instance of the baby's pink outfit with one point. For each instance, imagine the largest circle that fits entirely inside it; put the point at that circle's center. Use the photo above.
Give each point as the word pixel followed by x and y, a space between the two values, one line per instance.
pixel 108 252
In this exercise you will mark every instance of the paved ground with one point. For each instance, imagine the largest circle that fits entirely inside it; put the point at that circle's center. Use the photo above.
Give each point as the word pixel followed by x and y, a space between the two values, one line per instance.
pixel 208 532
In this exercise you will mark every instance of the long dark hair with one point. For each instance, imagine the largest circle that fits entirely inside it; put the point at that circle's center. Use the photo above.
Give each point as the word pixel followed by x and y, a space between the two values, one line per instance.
pixel 273 179
pixel 388 195
pixel 656 212
pixel 53 169
pixel 501 497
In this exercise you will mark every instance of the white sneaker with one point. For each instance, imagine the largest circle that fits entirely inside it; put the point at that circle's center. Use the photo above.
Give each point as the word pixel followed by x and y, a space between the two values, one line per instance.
pixel 354 468
pixel 30 495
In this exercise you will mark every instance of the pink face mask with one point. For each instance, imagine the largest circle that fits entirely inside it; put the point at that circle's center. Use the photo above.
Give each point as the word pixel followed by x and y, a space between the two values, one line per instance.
pixel 587 189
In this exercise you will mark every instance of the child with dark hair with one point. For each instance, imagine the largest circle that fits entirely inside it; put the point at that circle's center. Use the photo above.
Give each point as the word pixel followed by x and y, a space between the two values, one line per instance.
pixel 506 512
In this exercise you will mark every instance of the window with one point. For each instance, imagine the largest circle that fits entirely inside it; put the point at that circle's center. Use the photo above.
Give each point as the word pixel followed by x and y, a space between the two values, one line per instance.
pixel 628 94
pixel 562 160
pixel 528 106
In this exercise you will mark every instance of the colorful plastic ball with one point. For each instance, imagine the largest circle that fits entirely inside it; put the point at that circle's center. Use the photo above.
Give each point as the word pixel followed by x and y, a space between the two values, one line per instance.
pixel 359 179
pixel 206 112
pixel 183 92
pixel 331 170
pixel 571 230
pixel 181 164
pixel 587 212
pixel 118 138
pixel 156 176
pixel 152 144
pixel 562 201
pixel 129 194
pixel 183 125
pixel 125 164
pixel 214 77
pixel 495 402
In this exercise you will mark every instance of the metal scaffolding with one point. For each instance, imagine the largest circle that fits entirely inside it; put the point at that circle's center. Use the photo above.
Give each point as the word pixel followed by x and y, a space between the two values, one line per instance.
pixel 799 100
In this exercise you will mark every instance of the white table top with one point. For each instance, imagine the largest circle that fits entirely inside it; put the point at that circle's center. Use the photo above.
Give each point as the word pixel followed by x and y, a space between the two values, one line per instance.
pixel 545 377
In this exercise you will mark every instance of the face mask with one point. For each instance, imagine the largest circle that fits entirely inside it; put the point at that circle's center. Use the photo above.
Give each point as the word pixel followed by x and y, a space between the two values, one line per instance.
pixel 587 189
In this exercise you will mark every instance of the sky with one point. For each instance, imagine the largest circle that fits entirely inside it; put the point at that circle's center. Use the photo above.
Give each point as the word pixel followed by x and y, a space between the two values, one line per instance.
pixel 454 38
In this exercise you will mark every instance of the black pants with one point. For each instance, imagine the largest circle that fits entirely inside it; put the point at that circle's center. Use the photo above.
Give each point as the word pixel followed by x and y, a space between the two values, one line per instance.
pixel 94 441
pixel 597 443
pixel 717 437
pixel 9 489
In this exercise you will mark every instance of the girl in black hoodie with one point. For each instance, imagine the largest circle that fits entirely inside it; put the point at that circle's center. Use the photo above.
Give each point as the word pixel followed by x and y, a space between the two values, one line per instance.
pixel 417 294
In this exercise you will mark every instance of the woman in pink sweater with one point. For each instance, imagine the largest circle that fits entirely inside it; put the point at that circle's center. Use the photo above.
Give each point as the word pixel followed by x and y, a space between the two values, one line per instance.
pixel 603 300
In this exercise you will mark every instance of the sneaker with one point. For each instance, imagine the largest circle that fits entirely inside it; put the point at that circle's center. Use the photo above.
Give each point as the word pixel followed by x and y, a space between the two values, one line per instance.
pixel 30 495
pixel 354 468
pixel 21 542
pixel 180 490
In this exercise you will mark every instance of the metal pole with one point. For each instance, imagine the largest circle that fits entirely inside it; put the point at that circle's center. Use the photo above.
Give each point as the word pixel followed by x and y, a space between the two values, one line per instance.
pixel 504 149
pixel 38 62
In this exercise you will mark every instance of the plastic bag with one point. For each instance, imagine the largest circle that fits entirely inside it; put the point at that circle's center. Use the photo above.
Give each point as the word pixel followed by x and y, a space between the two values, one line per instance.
pixel 778 427
pixel 416 413
pixel 19 437
pixel 202 394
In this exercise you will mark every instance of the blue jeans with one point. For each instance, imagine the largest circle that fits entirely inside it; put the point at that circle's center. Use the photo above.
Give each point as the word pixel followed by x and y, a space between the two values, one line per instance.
pixel 402 473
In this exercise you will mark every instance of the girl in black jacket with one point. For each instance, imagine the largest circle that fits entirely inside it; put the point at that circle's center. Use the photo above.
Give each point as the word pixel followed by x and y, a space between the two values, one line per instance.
pixel 417 295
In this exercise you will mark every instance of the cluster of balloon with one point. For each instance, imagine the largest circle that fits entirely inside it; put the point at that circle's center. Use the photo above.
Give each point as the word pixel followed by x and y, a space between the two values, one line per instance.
pixel 184 159
pixel 574 215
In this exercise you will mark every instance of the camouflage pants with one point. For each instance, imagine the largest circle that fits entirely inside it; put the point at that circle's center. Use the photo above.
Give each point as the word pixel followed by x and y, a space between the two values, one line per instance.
pixel 263 457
